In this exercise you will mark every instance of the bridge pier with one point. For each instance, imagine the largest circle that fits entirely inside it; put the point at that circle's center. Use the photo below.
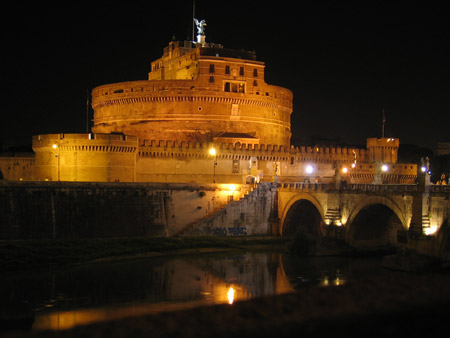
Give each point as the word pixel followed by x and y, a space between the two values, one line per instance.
pixel 416 225
pixel 420 227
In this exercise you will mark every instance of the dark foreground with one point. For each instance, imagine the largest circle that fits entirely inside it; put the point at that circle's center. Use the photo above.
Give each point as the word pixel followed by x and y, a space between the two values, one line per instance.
pixel 391 308
pixel 418 303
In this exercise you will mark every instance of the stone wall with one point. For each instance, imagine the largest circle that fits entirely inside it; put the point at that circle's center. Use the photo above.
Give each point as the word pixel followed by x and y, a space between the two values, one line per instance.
pixel 183 110
pixel 112 158
pixel 17 167
pixel 85 157
pixel 255 214
pixel 88 210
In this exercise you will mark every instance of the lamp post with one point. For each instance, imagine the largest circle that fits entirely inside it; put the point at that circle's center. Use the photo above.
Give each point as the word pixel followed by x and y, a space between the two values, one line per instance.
pixel 213 152
pixel 309 169
pixel 55 146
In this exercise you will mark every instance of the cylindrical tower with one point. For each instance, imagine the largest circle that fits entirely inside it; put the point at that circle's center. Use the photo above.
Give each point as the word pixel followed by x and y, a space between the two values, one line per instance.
pixel 197 94
pixel 85 157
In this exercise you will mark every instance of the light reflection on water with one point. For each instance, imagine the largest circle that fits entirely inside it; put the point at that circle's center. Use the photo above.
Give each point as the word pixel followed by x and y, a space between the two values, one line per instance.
pixel 97 292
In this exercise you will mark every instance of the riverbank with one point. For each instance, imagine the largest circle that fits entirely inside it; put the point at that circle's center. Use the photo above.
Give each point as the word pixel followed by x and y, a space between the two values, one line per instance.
pixel 400 307
pixel 20 255
pixel 37 254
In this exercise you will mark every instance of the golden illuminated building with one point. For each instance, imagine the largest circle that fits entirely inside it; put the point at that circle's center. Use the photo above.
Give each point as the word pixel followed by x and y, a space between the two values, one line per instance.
pixel 197 93
pixel 200 96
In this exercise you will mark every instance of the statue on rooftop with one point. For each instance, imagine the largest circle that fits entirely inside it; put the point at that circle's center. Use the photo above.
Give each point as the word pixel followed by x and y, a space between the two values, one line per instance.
pixel 200 26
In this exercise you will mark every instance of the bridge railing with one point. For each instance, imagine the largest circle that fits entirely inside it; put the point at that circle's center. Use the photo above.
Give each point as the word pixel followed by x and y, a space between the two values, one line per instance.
pixel 349 187
pixel 380 187
pixel 303 186
pixel 440 188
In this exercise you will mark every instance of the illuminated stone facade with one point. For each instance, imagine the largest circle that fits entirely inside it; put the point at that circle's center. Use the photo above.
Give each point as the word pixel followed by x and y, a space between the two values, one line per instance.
pixel 197 93
pixel 200 96
pixel 85 157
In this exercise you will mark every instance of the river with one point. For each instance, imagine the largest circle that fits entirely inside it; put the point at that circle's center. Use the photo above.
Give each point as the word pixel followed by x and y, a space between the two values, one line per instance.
pixel 65 298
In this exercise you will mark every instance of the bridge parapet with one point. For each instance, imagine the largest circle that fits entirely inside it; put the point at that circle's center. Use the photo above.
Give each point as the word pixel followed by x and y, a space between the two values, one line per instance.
pixel 354 187
pixel 439 188
pixel 381 187
pixel 303 186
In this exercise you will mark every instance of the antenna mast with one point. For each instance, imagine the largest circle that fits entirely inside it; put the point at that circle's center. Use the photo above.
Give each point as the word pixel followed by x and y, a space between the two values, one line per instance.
pixel 193 17
pixel 87 110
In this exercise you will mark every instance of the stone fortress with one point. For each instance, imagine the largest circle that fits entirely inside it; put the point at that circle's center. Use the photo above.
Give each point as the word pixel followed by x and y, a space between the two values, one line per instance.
pixel 205 115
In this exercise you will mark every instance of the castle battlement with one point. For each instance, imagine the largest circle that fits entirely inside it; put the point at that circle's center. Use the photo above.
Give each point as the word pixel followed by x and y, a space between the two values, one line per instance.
pixel 276 152
pixel 85 137
pixel 319 150
pixel 186 90
pixel 84 143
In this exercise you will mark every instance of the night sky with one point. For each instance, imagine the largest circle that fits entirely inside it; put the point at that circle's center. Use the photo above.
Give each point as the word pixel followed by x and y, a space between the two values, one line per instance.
pixel 344 63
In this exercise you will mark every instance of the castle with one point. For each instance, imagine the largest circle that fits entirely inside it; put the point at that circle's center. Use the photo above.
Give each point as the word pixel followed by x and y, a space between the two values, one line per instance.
pixel 204 115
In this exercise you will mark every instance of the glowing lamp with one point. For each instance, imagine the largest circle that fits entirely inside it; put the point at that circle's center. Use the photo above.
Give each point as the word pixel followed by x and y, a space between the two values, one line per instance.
pixel 54 146
pixel 212 152
pixel 423 169
pixel 384 167
pixel 344 170
pixel 431 230
pixel 309 169
pixel 230 295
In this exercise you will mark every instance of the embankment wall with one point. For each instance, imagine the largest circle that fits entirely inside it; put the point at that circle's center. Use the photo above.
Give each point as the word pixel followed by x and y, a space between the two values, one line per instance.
pixel 34 210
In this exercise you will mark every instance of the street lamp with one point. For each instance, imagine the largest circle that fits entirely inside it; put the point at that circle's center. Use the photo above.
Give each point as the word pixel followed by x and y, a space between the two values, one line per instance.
pixel 55 146
pixel 309 170
pixel 213 152
pixel 354 164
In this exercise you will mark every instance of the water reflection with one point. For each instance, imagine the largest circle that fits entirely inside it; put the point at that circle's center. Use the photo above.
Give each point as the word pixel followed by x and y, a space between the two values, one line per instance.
pixel 69 297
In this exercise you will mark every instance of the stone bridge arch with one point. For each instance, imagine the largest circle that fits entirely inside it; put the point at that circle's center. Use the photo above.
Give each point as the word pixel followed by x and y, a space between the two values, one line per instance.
pixel 379 215
pixel 301 202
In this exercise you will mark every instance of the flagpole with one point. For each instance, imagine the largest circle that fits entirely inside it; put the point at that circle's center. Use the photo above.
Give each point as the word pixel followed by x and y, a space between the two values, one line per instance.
pixel 193 17
pixel 87 110
pixel 382 128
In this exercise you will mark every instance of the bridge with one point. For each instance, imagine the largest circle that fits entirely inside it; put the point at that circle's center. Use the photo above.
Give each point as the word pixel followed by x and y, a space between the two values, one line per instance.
pixel 367 214
pixel 416 215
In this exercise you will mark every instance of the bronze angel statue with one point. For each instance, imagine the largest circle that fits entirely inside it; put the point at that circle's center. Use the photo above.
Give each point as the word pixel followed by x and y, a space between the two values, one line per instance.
pixel 200 26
